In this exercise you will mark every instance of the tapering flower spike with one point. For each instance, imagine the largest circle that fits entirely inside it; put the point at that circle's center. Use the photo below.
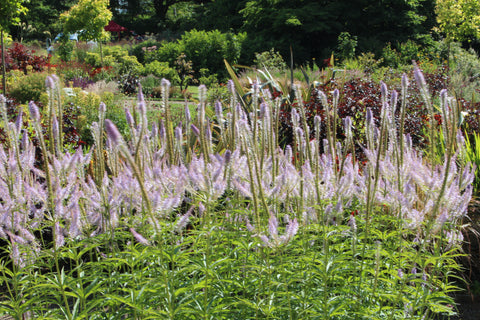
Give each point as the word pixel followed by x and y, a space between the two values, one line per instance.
pixel 34 112
pixel 49 83
pixel 139 237
pixel 113 132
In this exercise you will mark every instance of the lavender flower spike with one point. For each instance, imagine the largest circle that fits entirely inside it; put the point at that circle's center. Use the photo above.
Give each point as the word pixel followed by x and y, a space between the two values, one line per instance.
pixel 59 238
pixel 55 78
pixel 383 90
pixel 102 108
pixel 273 226
pixel 323 99
pixel 227 156
pixel 347 124
pixel 34 112
pixel 369 116
pixel 139 237
pixel 182 222
pixel 19 122
pixel 113 132
pixel 55 127
pixel 202 93
pixel 165 83
pixel 129 118
pixel 231 86
pixel 219 111
pixel 195 130
pixel 419 78
pixel 291 229
pixel 178 134
pixel 393 100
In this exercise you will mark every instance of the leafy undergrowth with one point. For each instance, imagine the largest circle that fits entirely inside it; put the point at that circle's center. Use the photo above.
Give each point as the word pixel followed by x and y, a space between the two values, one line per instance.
pixel 220 271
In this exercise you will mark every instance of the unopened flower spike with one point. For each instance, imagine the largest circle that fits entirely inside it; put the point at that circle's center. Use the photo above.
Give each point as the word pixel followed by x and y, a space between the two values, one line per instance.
pixel 202 93
pixel 405 81
pixel 102 108
pixel 227 156
pixel 188 117
pixel 140 93
pixel 336 96
pixel 231 86
pixel 323 99
pixel 49 83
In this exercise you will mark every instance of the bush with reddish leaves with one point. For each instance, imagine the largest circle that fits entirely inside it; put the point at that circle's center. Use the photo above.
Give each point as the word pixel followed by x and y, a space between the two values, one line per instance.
pixel 71 137
pixel 356 95
pixel 19 57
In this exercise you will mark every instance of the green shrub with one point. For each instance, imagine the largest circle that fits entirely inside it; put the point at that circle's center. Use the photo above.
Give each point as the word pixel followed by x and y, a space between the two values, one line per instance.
pixel 390 56
pixel 465 73
pixel 272 60
pixel 95 60
pixel 206 50
pixel 367 62
pixel 140 49
pixel 149 83
pixel 402 54
pixel 115 51
pixel 161 70
pixel 65 49
pixel 346 45
pixel 25 88
pixel 207 79
pixel 218 92
pixel 167 52
pixel 129 65
pixel 87 104
pixel 409 51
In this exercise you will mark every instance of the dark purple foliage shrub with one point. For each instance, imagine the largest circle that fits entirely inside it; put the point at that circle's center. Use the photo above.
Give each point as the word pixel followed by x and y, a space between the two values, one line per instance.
pixel 19 57
pixel 356 95
pixel 70 113
pixel 79 82
pixel 128 84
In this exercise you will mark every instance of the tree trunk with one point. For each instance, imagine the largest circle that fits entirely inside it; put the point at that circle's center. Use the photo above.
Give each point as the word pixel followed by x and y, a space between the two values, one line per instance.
pixel 4 70
pixel 161 8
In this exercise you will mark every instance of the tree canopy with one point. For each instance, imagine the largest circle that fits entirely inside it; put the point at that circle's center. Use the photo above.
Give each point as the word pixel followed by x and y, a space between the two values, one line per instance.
pixel 310 27
pixel 89 17
pixel 10 12
pixel 458 19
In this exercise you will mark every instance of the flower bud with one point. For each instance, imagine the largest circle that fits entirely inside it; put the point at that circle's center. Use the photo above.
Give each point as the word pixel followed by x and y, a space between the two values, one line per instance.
pixel 102 108
pixel 227 156
pixel 140 93
pixel 49 83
